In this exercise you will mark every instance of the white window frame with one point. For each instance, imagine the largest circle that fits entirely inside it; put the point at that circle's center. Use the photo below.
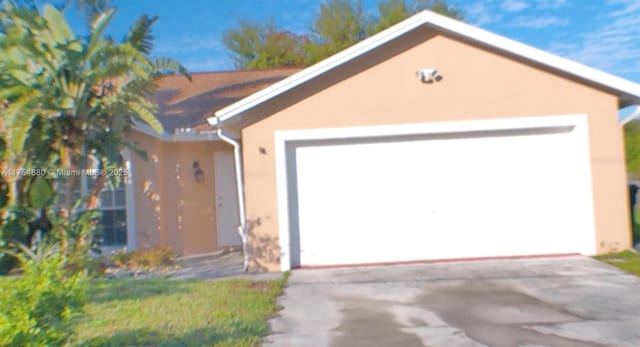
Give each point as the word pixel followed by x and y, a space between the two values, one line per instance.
pixel 128 206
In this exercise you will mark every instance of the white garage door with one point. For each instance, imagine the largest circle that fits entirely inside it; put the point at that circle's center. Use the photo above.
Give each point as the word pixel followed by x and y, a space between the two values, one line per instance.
pixel 439 196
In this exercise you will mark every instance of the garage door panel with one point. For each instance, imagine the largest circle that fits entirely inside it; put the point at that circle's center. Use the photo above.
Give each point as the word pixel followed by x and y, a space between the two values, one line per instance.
pixel 401 199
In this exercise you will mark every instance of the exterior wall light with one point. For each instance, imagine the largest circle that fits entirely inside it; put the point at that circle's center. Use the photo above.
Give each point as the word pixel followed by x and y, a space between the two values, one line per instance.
pixel 198 174
pixel 428 75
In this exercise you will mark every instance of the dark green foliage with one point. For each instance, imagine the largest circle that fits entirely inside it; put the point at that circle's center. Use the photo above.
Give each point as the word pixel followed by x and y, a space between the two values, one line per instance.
pixel 338 25
pixel 13 231
pixel 256 46
pixel 632 147
pixel 66 101
pixel 38 307
pixel 140 36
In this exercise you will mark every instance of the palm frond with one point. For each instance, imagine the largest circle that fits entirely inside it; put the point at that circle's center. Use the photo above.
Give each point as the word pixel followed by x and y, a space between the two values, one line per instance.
pixel 164 65
pixel 18 135
pixel 98 25
pixel 139 36
pixel 100 22
pixel 57 25
pixel 143 109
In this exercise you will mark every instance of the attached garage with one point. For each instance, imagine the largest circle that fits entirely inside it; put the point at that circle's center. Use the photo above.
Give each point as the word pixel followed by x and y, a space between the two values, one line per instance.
pixel 432 140
pixel 436 191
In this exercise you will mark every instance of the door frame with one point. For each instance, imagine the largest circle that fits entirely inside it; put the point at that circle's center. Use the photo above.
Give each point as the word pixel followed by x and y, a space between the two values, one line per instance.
pixel 130 200
pixel 287 140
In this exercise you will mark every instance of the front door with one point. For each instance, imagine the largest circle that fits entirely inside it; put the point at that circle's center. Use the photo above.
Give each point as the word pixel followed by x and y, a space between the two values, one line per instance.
pixel 227 214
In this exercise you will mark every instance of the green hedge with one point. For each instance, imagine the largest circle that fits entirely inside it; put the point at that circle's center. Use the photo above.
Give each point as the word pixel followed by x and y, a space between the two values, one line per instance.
pixel 38 307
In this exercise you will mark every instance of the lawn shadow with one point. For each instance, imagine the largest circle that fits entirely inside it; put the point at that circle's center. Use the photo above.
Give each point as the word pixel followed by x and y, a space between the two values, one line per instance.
pixel 108 290
pixel 236 334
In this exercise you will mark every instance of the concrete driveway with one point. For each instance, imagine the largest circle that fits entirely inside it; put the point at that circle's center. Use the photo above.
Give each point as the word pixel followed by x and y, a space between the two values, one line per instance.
pixel 559 302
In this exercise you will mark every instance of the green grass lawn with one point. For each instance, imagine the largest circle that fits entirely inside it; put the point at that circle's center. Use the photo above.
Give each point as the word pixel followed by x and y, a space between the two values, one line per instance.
pixel 628 261
pixel 160 312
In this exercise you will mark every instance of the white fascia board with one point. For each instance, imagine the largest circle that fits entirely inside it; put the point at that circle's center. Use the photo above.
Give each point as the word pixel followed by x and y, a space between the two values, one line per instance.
pixel 178 136
pixel 636 113
pixel 534 54
pixel 447 25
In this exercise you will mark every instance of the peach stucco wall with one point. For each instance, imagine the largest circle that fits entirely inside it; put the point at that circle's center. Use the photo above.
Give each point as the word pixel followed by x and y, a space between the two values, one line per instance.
pixel 381 88
pixel 172 209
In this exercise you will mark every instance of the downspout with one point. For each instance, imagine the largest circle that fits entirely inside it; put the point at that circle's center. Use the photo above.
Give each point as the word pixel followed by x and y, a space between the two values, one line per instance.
pixel 631 117
pixel 237 158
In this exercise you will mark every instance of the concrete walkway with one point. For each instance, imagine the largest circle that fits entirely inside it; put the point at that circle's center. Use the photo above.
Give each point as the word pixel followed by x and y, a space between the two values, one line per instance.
pixel 216 266
pixel 561 302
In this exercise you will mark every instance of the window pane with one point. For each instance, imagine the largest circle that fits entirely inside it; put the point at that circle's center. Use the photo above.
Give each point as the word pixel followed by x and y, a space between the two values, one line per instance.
pixel 119 198
pixel 106 199
pixel 107 237
pixel 107 218
pixel 114 227
pixel 120 236
pixel 120 217
pixel 100 238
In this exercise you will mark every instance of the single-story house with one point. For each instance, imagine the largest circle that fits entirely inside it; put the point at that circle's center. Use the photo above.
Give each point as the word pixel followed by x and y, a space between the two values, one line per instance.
pixel 183 195
pixel 433 139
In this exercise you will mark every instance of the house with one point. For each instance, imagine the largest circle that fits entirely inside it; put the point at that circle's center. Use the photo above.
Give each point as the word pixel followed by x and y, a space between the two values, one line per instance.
pixel 178 197
pixel 433 139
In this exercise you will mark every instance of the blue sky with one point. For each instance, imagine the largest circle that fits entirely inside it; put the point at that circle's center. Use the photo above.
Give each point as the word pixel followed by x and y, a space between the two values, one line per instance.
pixel 604 34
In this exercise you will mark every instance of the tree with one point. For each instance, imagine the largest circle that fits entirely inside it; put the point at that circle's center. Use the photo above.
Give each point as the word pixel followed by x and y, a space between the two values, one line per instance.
pixel 632 147
pixel 338 25
pixel 87 8
pixel 91 8
pixel 257 46
pixel 67 102
pixel 395 11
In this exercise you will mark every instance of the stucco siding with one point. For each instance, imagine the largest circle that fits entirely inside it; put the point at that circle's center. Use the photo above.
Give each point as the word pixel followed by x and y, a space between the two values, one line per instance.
pixel 172 209
pixel 381 88
pixel 147 191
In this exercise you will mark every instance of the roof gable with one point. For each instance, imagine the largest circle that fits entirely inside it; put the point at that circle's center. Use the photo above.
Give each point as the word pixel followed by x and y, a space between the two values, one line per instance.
pixel 628 92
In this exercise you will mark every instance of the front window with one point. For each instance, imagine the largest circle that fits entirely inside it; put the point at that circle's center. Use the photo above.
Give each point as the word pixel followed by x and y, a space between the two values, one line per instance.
pixel 112 203
pixel 114 216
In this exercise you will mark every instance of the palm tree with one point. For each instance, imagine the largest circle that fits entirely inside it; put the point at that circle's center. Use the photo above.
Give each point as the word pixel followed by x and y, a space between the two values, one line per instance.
pixel 85 91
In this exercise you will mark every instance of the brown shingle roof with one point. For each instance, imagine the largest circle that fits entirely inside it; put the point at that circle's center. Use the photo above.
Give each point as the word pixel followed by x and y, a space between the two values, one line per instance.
pixel 187 104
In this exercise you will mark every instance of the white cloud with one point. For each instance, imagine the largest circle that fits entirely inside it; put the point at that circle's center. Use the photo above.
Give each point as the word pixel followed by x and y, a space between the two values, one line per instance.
pixel 628 6
pixel 480 14
pixel 191 43
pixel 539 22
pixel 613 43
pixel 513 5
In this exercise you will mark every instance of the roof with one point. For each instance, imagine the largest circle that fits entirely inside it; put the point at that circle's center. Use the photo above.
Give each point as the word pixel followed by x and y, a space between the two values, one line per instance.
pixel 184 104
pixel 628 92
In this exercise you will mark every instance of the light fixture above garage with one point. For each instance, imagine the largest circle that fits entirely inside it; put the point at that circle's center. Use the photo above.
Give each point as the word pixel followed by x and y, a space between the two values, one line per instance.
pixel 428 75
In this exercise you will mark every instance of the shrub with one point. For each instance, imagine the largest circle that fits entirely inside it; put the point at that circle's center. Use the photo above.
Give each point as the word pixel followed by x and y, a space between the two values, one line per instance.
pixel 121 257
pixel 13 229
pixel 636 232
pixel 153 258
pixel 76 238
pixel 38 308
